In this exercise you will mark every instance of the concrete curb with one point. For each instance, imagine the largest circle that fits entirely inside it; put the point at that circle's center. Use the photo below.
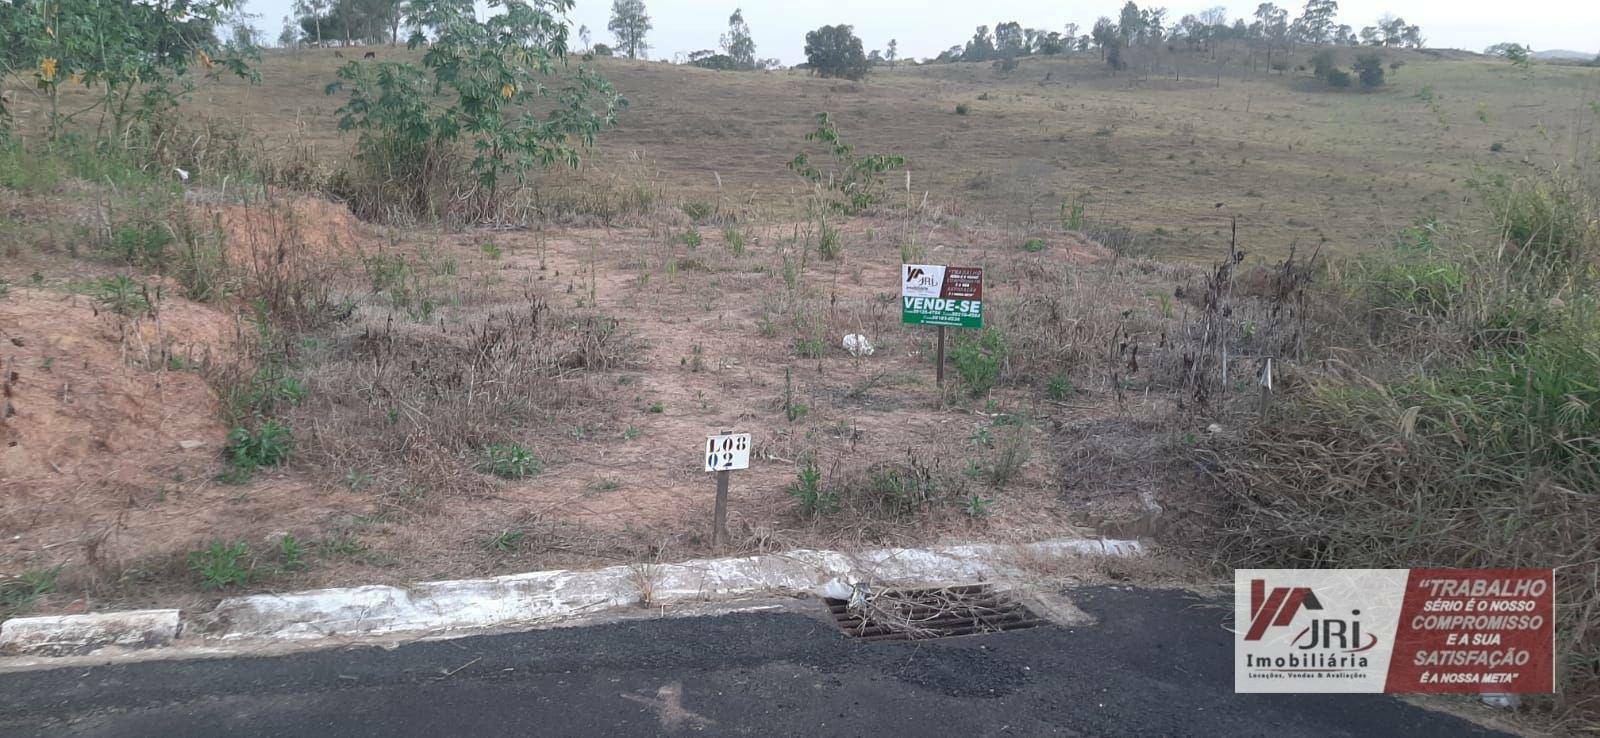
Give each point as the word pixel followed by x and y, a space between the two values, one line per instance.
pixel 75 635
pixel 529 599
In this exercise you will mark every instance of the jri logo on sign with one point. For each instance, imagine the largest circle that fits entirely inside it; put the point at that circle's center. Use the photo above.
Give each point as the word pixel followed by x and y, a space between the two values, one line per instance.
pixel 1394 630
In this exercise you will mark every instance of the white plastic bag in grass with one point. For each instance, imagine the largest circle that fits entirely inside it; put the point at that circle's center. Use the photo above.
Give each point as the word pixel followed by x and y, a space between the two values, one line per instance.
pixel 857 345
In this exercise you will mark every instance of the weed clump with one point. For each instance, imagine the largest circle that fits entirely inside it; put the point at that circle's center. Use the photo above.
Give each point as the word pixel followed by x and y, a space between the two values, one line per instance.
pixel 510 461
pixel 268 444
pixel 978 359
pixel 222 565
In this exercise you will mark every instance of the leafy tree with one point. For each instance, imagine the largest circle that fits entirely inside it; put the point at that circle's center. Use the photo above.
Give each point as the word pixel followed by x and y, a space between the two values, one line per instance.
pixel 892 53
pixel 1009 40
pixel 737 43
pixel 834 51
pixel 1512 52
pixel 1104 35
pixel 135 58
pixel 1316 21
pixel 1324 63
pixel 313 10
pixel 857 179
pixel 980 48
pixel 503 85
pixel 1049 43
pixel 290 35
pixel 708 59
pixel 1412 37
pixel 629 23
pixel 1154 25
pixel 1369 69
pixel 1114 57
pixel 1131 25
pixel 1271 27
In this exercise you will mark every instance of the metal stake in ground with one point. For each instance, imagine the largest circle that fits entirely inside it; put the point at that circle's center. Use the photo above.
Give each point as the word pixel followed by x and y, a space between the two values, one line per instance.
pixel 725 452
pixel 939 373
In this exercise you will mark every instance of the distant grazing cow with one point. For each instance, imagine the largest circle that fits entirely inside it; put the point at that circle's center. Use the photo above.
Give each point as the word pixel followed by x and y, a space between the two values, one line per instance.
pixel 337 54
pixel 370 55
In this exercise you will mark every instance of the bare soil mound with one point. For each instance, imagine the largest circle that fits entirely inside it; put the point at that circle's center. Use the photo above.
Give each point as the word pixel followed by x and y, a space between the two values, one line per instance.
pixel 90 392
pixel 270 235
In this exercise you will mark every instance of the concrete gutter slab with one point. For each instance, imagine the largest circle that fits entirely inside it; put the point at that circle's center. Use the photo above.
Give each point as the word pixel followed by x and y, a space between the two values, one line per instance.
pixel 429 609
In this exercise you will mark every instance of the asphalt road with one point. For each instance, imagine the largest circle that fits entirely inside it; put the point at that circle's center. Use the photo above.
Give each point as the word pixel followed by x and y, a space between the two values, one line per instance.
pixel 1156 663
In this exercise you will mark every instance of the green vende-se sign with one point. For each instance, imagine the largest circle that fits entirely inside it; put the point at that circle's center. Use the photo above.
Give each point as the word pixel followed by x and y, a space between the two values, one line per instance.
pixel 937 311
pixel 933 294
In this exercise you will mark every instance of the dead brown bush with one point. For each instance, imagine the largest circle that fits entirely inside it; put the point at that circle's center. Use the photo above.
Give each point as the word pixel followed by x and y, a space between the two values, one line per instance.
pixel 413 405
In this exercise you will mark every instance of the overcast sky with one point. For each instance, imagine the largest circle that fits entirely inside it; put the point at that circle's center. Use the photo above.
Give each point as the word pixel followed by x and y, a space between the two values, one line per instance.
pixel 926 27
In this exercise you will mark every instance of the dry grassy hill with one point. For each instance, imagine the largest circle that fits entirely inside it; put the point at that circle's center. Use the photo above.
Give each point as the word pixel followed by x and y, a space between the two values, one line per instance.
pixel 1296 163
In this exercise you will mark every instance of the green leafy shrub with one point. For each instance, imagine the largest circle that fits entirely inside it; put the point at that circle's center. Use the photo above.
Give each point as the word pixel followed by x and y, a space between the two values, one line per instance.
pixel 978 358
pixel 141 242
pixel 1011 453
pixel 1034 245
pixel 291 553
pixel 268 444
pixel 734 240
pixel 1369 69
pixel 1060 387
pixel 506 541
pixel 19 592
pixel 222 565
pixel 808 490
pixel 856 180
pixel 698 212
pixel 123 294
pixel 510 461
pixel 962 109
pixel 476 88
pixel 829 244
pixel 810 347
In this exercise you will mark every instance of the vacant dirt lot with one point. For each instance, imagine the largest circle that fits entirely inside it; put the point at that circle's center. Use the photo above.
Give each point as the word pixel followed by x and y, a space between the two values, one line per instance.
pixel 492 400
pixel 608 354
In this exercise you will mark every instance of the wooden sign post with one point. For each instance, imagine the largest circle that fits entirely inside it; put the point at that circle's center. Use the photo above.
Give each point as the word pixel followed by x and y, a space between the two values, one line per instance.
pixel 725 452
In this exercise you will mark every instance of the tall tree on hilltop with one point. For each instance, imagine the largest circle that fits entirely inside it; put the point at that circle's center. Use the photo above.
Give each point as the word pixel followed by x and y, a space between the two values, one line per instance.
pixel 313 9
pixel 737 43
pixel 834 51
pixel 1316 21
pixel 629 23
pixel 1103 35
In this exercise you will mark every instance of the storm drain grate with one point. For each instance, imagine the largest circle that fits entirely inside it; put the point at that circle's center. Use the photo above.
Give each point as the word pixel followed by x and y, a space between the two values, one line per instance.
pixel 937 612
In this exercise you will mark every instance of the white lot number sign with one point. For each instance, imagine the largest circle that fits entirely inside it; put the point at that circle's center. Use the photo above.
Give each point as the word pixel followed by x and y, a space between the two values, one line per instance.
pixel 728 452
